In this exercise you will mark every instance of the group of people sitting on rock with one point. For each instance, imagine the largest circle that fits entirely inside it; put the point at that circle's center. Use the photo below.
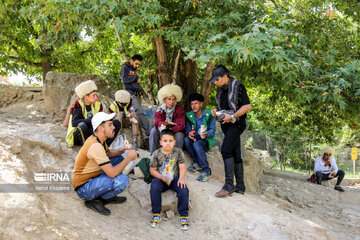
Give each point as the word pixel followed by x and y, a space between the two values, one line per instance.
pixel 98 171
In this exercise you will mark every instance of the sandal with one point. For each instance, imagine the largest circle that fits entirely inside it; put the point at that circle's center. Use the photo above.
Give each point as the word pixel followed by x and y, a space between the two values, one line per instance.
pixel 184 223
pixel 154 222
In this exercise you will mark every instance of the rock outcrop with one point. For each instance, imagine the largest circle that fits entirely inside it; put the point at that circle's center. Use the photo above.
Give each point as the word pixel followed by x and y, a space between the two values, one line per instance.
pixel 59 89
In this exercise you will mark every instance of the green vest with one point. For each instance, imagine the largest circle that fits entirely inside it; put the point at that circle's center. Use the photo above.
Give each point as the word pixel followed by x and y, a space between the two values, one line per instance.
pixel 70 133
pixel 191 118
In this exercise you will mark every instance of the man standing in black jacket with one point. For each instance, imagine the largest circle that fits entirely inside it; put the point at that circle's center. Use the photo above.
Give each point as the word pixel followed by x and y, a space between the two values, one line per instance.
pixel 130 79
pixel 232 98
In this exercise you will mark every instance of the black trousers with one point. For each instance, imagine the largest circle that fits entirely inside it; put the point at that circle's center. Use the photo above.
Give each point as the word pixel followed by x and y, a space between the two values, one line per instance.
pixel 321 176
pixel 231 146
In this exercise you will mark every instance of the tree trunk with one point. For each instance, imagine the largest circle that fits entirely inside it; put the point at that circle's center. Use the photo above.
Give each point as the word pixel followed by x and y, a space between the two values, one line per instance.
pixel 162 62
pixel 149 88
pixel 46 67
pixel 187 79
pixel 206 85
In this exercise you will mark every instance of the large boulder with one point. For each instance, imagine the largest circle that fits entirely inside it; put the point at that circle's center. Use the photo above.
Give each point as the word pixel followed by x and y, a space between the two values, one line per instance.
pixel 10 94
pixel 59 89
pixel 141 191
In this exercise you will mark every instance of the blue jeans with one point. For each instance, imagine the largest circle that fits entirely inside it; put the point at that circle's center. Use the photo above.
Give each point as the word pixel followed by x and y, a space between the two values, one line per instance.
pixel 157 187
pixel 103 186
pixel 197 151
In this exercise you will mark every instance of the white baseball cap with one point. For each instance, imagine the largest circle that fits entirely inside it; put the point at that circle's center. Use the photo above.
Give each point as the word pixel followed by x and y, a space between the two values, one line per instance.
pixel 99 118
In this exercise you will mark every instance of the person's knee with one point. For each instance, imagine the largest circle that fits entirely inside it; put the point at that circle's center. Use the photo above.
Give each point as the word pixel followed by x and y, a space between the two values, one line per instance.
pixel 341 173
pixel 117 124
pixel 83 126
pixel 318 174
pixel 183 191
pixel 121 182
pixel 198 146
pixel 156 185
pixel 153 131
pixel 187 141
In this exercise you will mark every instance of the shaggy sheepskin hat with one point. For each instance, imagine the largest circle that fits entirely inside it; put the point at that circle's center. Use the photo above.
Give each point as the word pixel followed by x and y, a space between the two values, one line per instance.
pixel 84 88
pixel 122 96
pixel 328 150
pixel 168 91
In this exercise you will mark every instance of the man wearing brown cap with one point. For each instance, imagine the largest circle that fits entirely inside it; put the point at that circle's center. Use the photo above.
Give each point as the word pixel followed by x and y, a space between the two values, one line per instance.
pixel 233 101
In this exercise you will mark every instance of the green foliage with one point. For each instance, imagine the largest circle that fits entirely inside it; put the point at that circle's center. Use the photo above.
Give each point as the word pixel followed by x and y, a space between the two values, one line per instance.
pixel 298 59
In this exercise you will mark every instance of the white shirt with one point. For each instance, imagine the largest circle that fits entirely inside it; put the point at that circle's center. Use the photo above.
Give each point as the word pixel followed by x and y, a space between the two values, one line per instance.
pixel 320 165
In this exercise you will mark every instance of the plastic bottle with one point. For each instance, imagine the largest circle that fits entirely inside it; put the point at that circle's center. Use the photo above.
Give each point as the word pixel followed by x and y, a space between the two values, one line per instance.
pixel 201 131
pixel 193 131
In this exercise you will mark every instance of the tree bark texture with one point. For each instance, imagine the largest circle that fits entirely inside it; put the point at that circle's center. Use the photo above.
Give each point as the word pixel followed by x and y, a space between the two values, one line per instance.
pixel 206 85
pixel 149 86
pixel 162 62
pixel 187 79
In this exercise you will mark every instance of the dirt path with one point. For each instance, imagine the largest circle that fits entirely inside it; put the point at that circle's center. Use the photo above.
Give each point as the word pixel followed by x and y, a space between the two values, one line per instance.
pixel 288 209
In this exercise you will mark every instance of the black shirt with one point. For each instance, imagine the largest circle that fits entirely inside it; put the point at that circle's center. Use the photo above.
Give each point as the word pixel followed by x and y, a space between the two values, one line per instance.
pixel 243 100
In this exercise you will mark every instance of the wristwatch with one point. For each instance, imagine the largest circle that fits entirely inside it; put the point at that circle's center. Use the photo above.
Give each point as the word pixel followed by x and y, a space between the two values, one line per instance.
pixel 233 119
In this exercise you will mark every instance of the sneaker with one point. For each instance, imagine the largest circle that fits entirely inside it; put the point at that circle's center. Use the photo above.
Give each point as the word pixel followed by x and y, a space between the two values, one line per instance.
pixel 97 206
pixel 195 167
pixel 154 222
pixel 338 188
pixel 115 199
pixel 184 223
pixel 204 177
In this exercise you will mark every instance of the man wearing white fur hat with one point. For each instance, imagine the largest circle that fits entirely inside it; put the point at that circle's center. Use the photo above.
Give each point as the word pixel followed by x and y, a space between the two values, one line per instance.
pixel 325 168
pixel 79 127
pixel 168 115
pixel 129 112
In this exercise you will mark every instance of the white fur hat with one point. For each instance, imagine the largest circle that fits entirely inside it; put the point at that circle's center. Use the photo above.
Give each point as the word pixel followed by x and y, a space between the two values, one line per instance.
pixel 328 150
pixel 122 96
pixel 168 91
pixel 85 88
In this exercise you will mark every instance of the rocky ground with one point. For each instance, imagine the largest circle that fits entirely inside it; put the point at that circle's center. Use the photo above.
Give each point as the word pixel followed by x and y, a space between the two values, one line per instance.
pixel 285 206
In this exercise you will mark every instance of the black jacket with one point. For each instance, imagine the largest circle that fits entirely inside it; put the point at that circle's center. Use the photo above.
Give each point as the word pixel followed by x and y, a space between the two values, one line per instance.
pixel 129 79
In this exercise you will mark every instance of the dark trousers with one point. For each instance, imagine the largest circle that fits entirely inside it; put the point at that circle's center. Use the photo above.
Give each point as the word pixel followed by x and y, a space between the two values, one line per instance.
pixel 86 131
pixel 231 146
pixel 231 151
pixel 322 176
pixel 197 151
pixel 157 187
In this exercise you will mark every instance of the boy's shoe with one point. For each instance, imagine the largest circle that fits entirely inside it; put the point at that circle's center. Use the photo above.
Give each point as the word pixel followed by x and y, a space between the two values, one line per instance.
pixel 184 223
pixel 115 199
pixel 194 167
pixel 204 177
pixel 154 222
pixel 97 206
pixel 338 188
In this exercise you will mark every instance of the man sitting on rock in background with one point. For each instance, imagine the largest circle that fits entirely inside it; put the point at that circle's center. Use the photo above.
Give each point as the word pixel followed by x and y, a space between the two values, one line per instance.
pixel 323 166
pixel 130 79
pixel 79 127
pixel 96 178
pixel 200 135
pixel 129 112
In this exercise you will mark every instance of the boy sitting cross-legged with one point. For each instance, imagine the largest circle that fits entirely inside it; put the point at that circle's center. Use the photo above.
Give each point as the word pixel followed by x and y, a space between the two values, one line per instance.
pixel 168 168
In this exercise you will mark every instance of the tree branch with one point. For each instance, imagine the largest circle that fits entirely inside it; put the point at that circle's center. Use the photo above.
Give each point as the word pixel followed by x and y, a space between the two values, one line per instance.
pixel 120 43
pixel 21 60
pixel 176 67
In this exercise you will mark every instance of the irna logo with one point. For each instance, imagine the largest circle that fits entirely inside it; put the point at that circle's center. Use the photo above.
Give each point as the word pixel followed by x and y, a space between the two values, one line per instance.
pixel 52 177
